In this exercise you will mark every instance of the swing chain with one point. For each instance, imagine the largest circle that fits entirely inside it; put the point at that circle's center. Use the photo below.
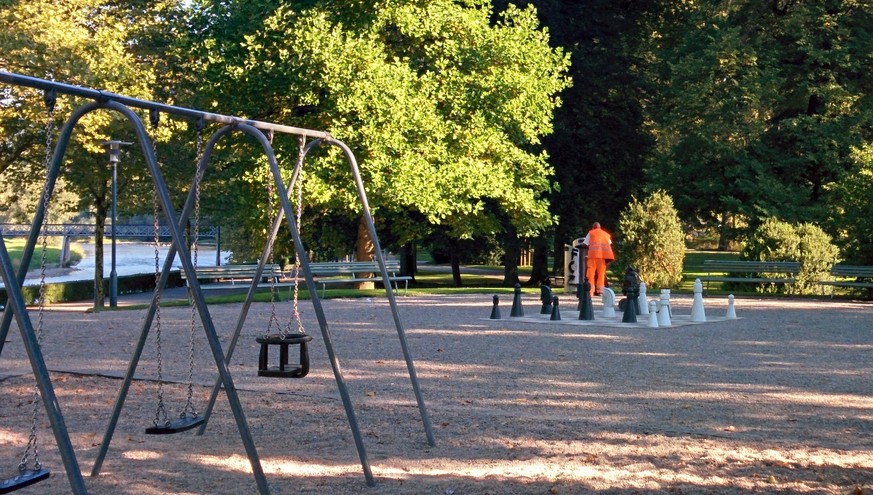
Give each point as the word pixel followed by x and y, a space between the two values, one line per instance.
pixel 189 403
pixel 274 319
pixel 295 315
pixel 49 98
pixel 160 412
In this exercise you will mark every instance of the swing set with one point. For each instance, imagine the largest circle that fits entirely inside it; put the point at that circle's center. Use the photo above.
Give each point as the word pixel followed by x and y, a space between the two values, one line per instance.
pixel 281 338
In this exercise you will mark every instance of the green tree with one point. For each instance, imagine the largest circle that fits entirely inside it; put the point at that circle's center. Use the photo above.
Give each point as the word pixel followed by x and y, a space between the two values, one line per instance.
pixel 758 106
pixel 650 238
pixel 853 210
pixel 600 140
pixel 90 43
pixel 444 109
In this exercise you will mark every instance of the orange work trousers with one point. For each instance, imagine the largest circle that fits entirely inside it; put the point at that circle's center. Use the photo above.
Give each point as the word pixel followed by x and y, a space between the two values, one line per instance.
pixel 595 272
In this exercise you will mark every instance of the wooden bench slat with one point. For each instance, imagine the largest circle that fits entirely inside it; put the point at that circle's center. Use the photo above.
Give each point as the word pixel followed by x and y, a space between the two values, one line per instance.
pixel 325 273
pixel 854 272
pixel 328 273
pixel 729 271
pixel 759 280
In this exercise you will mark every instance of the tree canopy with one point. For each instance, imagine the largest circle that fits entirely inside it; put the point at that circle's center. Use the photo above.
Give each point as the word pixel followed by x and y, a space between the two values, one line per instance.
pixel 444 109
pixel 758 107
pixel 467 117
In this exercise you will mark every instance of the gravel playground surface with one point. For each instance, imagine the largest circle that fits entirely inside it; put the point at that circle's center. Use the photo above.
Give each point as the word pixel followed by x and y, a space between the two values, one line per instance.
pixel 777 401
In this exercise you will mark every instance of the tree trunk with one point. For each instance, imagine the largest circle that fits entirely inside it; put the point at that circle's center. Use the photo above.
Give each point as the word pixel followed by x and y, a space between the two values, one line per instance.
pixel 99 231
pixel 364 251
pixel 539 271
pixel 456 264
pixel 408 260
pixel 512 250
pixel 562 237
pixel 723 240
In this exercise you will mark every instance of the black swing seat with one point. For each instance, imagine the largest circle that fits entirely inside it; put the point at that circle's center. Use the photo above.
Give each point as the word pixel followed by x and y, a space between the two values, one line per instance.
pixel 25 477
pixel 184 423
pixel 283 341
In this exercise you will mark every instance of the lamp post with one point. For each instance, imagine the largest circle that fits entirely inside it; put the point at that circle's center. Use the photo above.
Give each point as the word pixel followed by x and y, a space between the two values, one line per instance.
pixel 114 156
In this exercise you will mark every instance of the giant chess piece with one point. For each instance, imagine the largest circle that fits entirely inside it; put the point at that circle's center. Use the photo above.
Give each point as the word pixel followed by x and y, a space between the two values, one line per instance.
pixel 517 309
pixel 556 313
pixel 630 307
pixel 631 283
pixel 546 298
pixel 608 299
pixel 495 310
pixel 641 300
pixel 653 314
pixel 731 311
pixel 586 308
pixel 664 318
pixel 698 314
pixel 579 296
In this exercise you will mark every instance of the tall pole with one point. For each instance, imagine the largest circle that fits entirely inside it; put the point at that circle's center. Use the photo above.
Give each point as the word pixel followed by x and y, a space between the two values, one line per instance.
pixel 114 156
pixel 218 245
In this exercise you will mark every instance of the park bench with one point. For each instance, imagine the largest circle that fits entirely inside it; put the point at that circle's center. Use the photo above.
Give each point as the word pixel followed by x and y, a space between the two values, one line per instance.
pixel 346 272
pixel 749 271
pixel 850 276
pixel 237 276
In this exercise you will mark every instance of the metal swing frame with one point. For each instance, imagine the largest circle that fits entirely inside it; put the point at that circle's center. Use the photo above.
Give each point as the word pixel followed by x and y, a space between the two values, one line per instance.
pixel 121 104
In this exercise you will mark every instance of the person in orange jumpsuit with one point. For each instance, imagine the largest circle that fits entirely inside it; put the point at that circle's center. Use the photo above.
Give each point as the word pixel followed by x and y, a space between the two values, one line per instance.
pixel 600 254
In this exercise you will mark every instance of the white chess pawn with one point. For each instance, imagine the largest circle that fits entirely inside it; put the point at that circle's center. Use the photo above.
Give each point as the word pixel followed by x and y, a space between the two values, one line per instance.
pixel 608 299
pixel 664 311
pixel 698 314
pixel 731 311
pixel 653 314
pixel 641 300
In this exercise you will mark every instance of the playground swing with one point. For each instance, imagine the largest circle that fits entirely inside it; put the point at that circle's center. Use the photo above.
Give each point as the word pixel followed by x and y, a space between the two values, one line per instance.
pixel 28 475
pixel 188 418
pixel 288 335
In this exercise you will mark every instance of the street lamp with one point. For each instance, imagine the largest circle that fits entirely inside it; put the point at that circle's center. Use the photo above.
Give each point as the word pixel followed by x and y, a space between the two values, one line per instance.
pixel 114 156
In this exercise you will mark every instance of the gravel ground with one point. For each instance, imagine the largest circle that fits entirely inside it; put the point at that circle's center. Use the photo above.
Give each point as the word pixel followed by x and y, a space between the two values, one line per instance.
pixel 777 401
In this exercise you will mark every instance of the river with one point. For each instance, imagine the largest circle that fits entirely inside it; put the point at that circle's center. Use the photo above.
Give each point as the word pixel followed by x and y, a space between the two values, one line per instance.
pixel 131 258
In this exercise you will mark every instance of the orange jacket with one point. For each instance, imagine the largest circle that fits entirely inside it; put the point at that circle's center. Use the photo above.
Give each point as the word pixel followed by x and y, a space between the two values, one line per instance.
pixel 600 245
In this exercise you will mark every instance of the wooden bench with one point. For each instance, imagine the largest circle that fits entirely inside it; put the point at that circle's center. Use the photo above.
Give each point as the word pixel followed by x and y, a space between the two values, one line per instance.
pixel 747 271
pixel 855 273
pixel 237 276
pixel 346 272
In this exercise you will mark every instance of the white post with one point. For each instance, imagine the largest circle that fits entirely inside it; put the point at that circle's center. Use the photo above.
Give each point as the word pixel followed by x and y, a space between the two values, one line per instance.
pixel 608 299
pixel 664 311
pixel 641 300
pixel 653 314
pixel 698 314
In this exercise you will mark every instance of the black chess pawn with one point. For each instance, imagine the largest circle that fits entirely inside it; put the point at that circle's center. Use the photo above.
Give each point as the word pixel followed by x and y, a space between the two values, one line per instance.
pixel 586 308
pixel 630 307
pixel 579 297
pixel 517 309
pixel 495 310
pixel 556 313
pixel 546 298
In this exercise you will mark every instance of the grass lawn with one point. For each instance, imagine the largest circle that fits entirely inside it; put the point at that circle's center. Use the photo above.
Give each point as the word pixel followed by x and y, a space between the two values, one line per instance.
pixel 15 247
pixel 693 267
pixel 437 279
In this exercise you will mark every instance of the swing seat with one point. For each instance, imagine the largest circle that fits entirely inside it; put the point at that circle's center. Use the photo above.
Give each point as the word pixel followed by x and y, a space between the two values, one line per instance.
pixel 184 423
pixel 283 370
pixel 25 477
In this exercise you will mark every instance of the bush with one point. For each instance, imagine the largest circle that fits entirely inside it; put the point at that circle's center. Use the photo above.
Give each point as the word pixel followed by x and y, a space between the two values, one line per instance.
pixel 775 240
pixel 83 290
pixel 650 239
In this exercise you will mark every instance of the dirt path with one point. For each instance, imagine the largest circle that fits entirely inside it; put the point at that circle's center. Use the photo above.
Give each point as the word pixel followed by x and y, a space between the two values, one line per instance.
pixel 779 401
